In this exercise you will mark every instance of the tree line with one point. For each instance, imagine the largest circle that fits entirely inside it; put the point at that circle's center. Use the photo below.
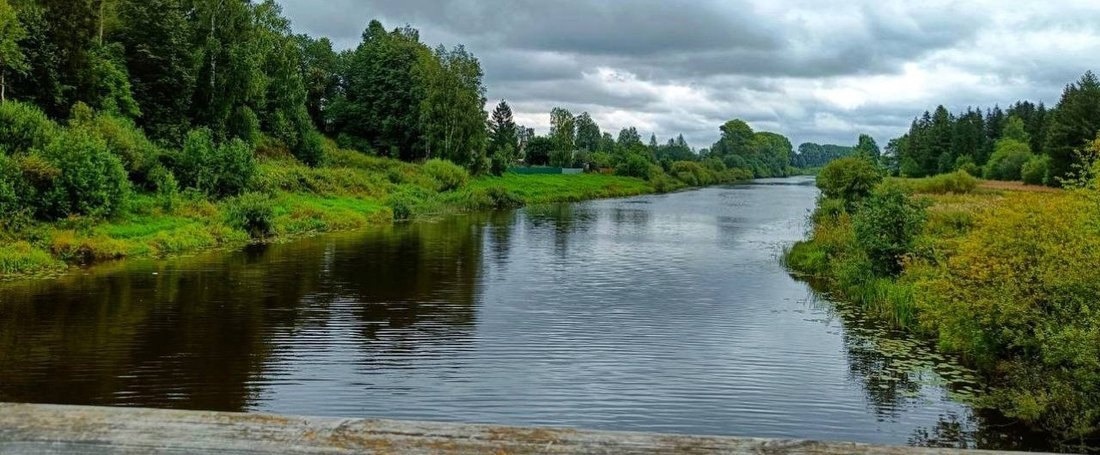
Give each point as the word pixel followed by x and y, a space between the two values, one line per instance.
pixel 1026 141
pixel 179 95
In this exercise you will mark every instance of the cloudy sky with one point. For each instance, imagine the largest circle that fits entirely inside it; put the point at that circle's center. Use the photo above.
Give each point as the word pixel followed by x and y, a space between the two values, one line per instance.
pixel 815 70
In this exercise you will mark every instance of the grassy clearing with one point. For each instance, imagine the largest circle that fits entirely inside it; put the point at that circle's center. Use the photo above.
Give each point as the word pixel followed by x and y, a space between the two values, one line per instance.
pixel 350 191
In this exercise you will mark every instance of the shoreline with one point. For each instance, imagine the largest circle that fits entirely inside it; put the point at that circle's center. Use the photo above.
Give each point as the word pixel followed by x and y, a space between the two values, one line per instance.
pixel 198 226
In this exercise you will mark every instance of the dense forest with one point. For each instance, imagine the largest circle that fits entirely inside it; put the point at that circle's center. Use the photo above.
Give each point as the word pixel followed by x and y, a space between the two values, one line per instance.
pixel 1026 141
pixel 104 98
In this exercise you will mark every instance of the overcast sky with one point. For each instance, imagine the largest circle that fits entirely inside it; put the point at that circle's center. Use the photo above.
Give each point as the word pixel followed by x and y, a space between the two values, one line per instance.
pixel 814 70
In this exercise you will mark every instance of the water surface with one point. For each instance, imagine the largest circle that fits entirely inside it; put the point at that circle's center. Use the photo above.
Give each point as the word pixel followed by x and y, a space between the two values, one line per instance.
pixel 667 313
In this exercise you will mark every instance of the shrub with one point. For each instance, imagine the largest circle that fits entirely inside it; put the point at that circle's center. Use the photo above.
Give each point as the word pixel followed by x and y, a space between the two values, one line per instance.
pixel 244 124
pixel 886 226
pixel 447 175
pixel 24 127
pixel 166 187
pixel 601 160
pixel 498 197
pixel 15 192
pixel 828 210
pixel 1034 172
pixel 311 149
pixel 253 213
pixel 849 179
pixel 966 164
pixel 92 180
pixel 958 182
pixel 1019 295
pixel 138 154
pixel 502 158
pixel 1008 160
pixel 215 170
pixel 692 173
pixel 634 166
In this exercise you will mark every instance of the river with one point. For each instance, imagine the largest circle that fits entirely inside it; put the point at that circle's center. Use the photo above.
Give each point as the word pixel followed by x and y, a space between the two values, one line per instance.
pixel 668 313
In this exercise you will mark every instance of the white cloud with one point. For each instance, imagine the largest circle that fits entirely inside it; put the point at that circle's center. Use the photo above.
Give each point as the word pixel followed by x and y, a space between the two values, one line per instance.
pixel 812 69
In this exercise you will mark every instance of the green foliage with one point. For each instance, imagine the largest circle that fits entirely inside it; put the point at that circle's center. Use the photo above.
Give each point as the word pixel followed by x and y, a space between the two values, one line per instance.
pixel 495 197
pixel 635 166
pixel 24 127
pixel 812 155
pixel 92 180
pixel 451 112
pixel 160 59
pixel 244 124
pixel 12 59
pixel 538 151
pixel 124 139
pixel 1036 171
pixel 380 103
pixel 849 179
pixel 447 176
pixel 218 171
pixel 1073 124
pixel 1018 294
pixel 503 139
pixel 1008 160
pixel 166 187
pixel 867 148
pixel 15 193
pixel 562 158
pixel 253 213
pixel 966 164
pixel 959 182
pixel 311 150
pixel 110 82
pixel 886 226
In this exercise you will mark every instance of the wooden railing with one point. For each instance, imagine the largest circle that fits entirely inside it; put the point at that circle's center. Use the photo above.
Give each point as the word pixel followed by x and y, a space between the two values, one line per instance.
pixel 45 429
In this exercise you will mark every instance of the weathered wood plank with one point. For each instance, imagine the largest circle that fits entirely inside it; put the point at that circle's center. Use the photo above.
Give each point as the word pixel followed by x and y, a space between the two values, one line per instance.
pixel 46 429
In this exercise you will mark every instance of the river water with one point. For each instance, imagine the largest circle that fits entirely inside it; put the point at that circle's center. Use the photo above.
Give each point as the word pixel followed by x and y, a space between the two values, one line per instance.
pixel 668 313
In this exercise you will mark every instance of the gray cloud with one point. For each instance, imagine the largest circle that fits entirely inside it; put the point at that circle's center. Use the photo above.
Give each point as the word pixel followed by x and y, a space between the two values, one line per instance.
pixel 811 69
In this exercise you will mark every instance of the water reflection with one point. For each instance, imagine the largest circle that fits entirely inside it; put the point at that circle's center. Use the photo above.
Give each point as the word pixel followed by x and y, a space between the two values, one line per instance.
pixel 662 313
pixel 196 333
pixel 898 373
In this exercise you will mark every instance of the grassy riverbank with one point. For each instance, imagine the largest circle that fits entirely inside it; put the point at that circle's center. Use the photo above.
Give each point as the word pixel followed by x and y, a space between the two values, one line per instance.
pixel 286 200
pixel 1005 276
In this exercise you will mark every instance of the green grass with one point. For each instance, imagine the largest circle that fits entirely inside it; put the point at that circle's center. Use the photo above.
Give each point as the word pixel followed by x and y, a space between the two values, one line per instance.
pixel 350 191
pixel 540 189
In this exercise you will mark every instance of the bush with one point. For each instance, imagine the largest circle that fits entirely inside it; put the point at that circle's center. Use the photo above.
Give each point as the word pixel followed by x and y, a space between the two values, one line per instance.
pixel 253 213
pixel 967 164
pixel 634 166
pixel 311 149
pixel 446 175
pixel 166 187
pixel 138 154
pixel 601 160
pixel 497 197
pixel 15 192
pixel 1035 171
pixel 92 180
pixel 215 170
pixel 502 158
pixel 1019 296
pixel 849 179
pixel 886 226
pixel 692 173
pixel 959 182
pixel 562 158
pixel 24 127
pixel 1008 160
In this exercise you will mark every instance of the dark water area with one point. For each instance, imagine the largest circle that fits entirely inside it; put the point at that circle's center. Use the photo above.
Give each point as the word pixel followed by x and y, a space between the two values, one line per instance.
pixel 668 313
